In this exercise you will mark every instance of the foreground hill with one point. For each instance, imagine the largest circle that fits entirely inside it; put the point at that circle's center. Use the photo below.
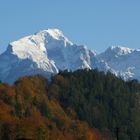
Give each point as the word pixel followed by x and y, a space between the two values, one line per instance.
pixel 80 105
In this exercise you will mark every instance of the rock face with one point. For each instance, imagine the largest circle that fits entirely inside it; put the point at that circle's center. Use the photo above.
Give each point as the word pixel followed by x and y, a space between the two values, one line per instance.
pixel 48 51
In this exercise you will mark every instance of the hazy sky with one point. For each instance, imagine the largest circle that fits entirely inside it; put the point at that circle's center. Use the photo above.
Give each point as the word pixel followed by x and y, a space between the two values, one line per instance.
pixel 95 23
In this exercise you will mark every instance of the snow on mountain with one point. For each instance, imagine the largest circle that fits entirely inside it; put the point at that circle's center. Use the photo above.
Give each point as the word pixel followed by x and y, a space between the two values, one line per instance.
pixel 45 52
pixel 48 51
pixel 124 62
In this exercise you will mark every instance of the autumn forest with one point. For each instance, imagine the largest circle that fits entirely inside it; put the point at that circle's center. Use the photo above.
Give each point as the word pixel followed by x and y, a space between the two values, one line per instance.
pixel 80 105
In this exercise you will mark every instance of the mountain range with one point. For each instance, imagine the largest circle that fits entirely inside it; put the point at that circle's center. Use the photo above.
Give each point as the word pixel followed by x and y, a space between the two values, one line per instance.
pixel 48 51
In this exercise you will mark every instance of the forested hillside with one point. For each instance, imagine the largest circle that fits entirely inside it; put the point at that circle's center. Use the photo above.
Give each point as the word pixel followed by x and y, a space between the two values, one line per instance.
pixel 80 105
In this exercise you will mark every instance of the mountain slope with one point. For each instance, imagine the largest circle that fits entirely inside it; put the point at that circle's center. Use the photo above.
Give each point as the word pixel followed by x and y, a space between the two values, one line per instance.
pixel 79 105
pixel 27 112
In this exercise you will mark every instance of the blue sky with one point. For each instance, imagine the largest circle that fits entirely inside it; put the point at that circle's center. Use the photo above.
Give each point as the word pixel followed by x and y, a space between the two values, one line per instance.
pixel 95 23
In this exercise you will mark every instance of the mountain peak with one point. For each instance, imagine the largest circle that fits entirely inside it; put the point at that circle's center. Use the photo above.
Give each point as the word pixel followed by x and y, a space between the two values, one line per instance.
pixel 55 34
pixel 120 50
pixel 39 43
pixel 45 52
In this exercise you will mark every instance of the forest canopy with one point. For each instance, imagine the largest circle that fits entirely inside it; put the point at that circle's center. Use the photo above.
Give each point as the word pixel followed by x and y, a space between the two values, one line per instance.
pixel 80 105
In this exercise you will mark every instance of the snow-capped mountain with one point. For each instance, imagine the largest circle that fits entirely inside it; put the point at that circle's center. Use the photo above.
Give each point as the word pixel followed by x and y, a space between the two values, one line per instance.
pixel 123 61
pixel 48 51
pixel 45 52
